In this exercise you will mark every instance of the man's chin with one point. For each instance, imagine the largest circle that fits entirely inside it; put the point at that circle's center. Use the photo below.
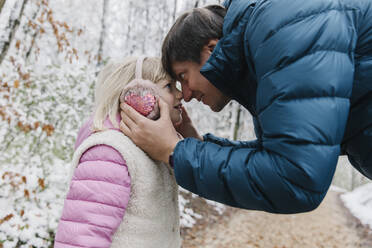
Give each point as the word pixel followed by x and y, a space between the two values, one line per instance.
pixel 216 108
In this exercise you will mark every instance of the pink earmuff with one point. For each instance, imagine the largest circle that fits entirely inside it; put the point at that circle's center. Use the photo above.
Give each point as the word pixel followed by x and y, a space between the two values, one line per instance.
pixel 141 94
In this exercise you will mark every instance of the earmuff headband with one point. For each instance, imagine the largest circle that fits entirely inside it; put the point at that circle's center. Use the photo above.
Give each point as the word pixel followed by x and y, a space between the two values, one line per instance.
pixel 139 65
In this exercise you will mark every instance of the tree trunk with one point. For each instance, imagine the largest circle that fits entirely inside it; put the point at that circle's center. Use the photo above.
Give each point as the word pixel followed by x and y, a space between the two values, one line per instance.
pixel 12 26
pixel 237 122
pixel 174 11
pixel 34 35
pixel 2 2
pixel 103 34
pixel 128 36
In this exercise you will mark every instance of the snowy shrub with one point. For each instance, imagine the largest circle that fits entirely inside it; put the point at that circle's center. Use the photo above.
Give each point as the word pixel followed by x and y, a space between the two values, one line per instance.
pixel 37 148
pixel 359 202
pixel 50 52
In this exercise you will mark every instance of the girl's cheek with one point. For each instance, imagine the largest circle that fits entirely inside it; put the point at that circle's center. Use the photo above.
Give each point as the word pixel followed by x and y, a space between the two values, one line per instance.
pixel 174 94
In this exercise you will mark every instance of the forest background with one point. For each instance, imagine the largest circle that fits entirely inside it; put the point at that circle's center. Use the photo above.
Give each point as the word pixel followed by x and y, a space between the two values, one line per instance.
pixel 50 54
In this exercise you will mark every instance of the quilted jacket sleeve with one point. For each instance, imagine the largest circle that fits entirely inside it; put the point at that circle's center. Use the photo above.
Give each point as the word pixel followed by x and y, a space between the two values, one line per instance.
pixel 303 57
pixel 96 201
pixel 226 142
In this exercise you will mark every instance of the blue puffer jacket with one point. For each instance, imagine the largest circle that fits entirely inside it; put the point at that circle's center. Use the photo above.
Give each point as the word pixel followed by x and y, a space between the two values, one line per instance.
pixel 304 71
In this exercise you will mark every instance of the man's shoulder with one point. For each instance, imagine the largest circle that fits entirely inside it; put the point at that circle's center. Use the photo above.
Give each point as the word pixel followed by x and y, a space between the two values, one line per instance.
pixel 237 11
pixel 271 18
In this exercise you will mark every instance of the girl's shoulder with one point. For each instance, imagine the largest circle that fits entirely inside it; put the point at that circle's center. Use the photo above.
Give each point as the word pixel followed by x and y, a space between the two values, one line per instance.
pixel 102 163
pixel 102 153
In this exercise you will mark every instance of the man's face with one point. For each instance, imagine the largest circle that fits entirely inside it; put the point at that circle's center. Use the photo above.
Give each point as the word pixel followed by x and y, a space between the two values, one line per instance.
pixel 195 85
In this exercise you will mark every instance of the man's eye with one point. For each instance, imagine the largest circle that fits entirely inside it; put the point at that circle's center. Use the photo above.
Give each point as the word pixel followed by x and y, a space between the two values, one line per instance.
pixel 182 76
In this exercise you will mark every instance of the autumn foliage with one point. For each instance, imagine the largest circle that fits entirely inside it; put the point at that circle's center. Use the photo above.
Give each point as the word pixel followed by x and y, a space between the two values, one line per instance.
pixel 39 109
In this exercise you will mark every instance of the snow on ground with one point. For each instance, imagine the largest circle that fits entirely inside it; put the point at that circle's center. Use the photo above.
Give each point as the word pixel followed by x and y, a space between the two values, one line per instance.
pixel 359 202
pixel 337 189
pixel 32 220
pixel 327 226
pixel 187 215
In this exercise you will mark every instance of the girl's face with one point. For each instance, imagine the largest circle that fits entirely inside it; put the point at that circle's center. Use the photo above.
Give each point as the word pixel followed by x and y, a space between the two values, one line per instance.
pixel 172 96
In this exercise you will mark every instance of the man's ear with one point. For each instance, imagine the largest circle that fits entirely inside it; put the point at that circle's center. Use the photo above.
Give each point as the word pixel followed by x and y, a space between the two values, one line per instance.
pixel 210 45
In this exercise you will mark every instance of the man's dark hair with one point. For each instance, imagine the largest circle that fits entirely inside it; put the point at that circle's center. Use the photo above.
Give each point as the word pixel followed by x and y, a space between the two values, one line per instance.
pixel 191 31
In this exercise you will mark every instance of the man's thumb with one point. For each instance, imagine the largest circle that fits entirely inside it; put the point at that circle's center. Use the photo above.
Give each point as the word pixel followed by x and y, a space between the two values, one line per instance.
pixel 164 108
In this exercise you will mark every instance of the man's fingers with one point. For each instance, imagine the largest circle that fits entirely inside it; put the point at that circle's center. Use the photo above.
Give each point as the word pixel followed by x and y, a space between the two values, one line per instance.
pixel 122 114
pixel 127 121
pixel 125 129
pixel 164 108
pixel 131 113
pixel 185 115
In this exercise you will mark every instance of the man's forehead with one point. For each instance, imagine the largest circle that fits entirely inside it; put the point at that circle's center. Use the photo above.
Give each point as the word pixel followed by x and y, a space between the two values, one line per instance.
pixel 177 66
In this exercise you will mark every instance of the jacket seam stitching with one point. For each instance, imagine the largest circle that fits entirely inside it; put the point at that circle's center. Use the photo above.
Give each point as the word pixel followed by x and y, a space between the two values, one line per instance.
pixel 93 180
pixel 110 205
pixel 294 164
pixel 299 98
pixel 307 143
pixel 300 18
pixel 311 97
pixel 299 58
pixel 312 191
pixel 108 161
pixel 69 244
pixel 87 224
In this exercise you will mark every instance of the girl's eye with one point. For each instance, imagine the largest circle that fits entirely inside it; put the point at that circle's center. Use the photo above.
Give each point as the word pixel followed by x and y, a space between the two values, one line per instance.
pixel 169 86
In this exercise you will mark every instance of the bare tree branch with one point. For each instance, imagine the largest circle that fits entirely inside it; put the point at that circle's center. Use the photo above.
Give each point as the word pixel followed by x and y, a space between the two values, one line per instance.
pixel 13 26
pixel 103 34
pixel 34 35
pixel 2 2
pixel 237 122
pixel 175 10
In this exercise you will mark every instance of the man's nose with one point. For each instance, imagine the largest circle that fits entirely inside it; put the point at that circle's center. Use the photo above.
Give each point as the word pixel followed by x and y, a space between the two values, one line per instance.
pixel 186 93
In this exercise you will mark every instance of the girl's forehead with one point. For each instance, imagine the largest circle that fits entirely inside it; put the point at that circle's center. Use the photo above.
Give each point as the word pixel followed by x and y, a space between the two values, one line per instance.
pixel 165 81
pixel 162 81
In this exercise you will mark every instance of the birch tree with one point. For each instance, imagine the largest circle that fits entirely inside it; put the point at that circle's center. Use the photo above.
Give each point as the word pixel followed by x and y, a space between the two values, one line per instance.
pixel 13 24
pixel 236 126
pixel 174 10
pixel 105 4
pixel 34 33
pixel 2 2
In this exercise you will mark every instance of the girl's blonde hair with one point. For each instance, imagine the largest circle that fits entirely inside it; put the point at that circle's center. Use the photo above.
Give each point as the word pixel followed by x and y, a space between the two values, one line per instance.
pixel 112 80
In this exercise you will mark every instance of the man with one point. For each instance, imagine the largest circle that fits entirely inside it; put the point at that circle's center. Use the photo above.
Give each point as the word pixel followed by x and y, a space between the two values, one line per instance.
pixel 304 71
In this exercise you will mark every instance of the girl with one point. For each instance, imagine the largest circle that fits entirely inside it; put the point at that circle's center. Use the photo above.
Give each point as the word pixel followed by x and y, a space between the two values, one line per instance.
pixel 118 196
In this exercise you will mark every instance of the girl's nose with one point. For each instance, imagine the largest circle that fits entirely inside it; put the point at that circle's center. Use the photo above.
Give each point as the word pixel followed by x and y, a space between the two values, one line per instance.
pixel 178 94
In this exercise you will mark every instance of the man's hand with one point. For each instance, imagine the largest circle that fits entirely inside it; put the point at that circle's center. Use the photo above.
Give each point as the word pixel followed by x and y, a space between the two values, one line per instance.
pixel 157 138
pixel 186 128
